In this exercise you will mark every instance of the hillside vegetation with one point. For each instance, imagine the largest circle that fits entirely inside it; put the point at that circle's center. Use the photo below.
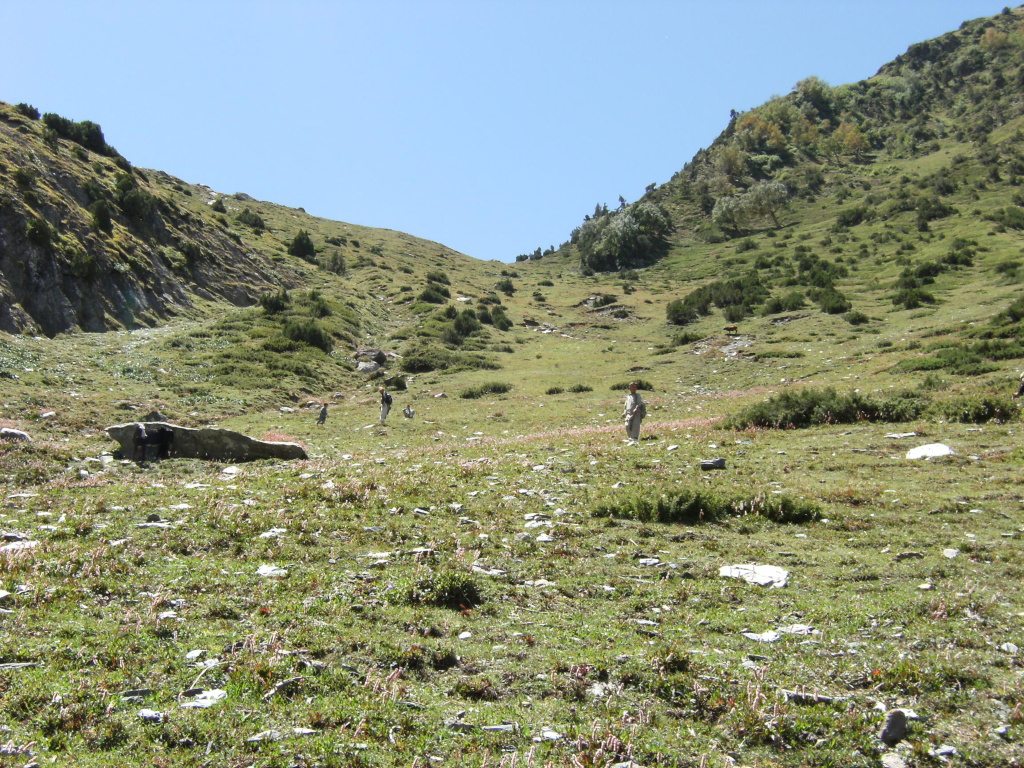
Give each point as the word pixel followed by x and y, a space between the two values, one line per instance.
pixel 501 580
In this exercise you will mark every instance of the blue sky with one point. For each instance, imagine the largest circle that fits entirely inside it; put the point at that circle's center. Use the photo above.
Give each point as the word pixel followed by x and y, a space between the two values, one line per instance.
pixel 491 126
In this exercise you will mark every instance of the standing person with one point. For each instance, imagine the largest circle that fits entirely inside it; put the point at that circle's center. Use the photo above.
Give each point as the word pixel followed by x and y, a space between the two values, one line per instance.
pixel 323 415
pixel 1020 389
pixel 385 404
pixel 634 413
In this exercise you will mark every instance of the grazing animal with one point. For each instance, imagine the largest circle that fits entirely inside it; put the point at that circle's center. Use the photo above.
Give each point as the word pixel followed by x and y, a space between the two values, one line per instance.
pixel 732 330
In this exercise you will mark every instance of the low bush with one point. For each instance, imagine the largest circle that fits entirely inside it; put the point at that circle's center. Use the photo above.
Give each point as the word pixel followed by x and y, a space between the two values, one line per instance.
pixel 577 388
pixel 491 388
pixel 977 409
pixel 308 332
pixel 444 589
pixel 694 506
pixel 554 391
pixel 811 407
pixel 640 384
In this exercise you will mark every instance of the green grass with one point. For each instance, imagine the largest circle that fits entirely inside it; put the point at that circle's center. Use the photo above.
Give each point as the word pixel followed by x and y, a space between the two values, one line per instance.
pixel 510 559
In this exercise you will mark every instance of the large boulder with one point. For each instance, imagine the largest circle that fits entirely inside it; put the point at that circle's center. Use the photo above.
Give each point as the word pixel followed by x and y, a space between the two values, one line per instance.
pixel 377 356
pixel 208 443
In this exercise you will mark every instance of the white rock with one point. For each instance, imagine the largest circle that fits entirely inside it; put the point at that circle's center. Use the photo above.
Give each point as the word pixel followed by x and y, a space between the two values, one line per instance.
pixel 206 699
pixel 752 573
pixel 950 553
pixel 271 572
pixel 930 451
pixel 768 636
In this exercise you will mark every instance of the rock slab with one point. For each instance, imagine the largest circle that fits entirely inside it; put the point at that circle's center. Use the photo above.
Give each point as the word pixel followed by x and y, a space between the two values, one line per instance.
pixel 209 443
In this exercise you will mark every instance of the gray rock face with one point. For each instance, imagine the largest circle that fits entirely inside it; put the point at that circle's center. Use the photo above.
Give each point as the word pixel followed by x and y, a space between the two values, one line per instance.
pixel 367 366
pixel 373 355
pixel 207 443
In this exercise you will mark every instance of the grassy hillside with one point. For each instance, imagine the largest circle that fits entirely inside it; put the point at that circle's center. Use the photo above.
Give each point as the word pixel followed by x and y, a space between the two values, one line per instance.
pixel 501 579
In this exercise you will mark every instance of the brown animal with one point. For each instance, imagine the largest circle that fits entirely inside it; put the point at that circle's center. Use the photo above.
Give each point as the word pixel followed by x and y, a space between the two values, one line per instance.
pixel 732 329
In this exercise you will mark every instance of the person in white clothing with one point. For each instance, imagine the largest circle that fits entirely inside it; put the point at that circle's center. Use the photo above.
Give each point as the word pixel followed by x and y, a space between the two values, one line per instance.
pixel 634 413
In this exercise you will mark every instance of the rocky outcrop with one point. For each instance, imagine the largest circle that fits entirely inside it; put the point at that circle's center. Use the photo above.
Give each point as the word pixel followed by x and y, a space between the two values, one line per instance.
pixel 209 443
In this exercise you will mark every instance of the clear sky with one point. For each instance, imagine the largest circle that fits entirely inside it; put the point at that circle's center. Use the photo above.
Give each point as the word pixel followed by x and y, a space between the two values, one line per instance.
pixel 491 126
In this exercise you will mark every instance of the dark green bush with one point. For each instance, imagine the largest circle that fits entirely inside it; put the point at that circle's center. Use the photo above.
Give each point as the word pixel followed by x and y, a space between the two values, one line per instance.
pixel 491 388
pixel 435 294
pixel 811 407
pixel 308 332
pixel 640 384
pixel 857 318
pixel 554 391
pixel 436 276
pixel 100 216
pixel 977 409
pixel 302 246
pixel 275 301
pixel 691 507
pixel 252 219
pixel 40 232
pixel 577 388
pixel 444 589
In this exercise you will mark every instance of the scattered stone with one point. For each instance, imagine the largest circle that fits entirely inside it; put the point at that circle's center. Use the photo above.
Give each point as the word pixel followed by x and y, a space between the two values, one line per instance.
pixel 944 751
pixel 266 736
pixel 949 554
pixel 152 716
pixel 1009 648
pixel 930 451
pixel 752 573
pixel 5 596
pixel 909 556
pixel 503 728
pixel 893 760
pixel 708 464
pixel 548 734
pixel 798 629
pixel 14 435
pixel 894 730
pixel 284 688
pixel 47 415
pixel 768 636
pixel 19 546
pixel 802 697
pixel 271 572
pixel 901 435
pixel 204 699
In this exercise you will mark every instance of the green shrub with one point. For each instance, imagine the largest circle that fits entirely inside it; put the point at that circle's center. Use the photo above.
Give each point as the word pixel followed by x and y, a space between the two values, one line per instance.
pixel 252 219
pixel 491 388
pixel 275 301
pixel 681 339
pixel 40 232
pixel 640 384
pixel 506 286
pixel 810 407
pixel 577 388
pixel 435 294
pixel 691 507
pixel 857 318
pixel 554 391
pixel 436 276
pixel 100 216
pixel 977 409
pixel 444 589
pixel 308 332
pixel 302 246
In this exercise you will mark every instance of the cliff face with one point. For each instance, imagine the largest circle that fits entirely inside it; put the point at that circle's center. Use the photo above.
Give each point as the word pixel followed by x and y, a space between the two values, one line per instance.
pixel 89 242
